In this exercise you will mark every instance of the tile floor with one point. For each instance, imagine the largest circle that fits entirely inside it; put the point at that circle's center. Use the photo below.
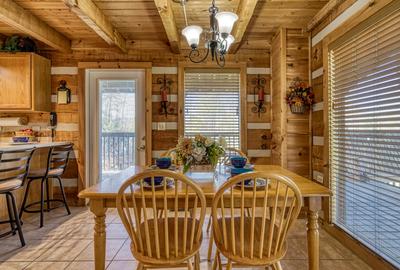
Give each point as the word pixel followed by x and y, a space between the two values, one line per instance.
pixel 66 242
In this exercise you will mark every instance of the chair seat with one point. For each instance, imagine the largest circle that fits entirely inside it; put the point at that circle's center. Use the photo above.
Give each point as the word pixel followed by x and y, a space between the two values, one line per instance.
pixel 247 241
pixel 41 173
pixel 146 258
pixel 10 184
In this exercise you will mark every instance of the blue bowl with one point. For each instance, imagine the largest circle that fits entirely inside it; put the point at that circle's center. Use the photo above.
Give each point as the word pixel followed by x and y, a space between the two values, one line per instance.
pixel 157 180
pixel 238 161
pixel 163 163
pixel 237 171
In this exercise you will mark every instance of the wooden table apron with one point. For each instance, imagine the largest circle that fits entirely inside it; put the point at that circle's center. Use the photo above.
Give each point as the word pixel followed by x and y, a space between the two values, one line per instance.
pixel 102 196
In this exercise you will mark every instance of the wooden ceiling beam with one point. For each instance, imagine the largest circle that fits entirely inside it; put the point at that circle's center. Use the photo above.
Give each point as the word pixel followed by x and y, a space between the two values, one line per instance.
pixel 24 21
pixel 323 13
pixel 245 12
pixel 94 17
pixel 167 17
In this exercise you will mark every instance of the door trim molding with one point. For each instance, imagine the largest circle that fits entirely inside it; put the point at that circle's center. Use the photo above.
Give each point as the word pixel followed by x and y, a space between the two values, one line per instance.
pixel 83 138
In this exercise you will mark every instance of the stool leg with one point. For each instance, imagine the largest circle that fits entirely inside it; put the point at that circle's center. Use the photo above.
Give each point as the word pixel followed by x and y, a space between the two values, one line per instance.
pixel 10 214
pixel 25 198
pixel 47 195
pixel 42 201
pixel 63 194
pixel 18 223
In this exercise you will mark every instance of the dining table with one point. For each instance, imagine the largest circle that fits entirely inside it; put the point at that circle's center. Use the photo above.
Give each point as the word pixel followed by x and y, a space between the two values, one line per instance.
pixel 102 196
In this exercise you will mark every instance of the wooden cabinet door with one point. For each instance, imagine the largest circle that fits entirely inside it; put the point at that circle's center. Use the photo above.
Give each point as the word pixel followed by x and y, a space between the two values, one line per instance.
pixel 15 82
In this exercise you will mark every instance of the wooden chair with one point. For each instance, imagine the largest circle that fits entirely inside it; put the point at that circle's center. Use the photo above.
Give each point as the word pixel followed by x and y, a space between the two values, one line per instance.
pixel 14 166
pixel 229 152
pixel 57 161
pixel 258 239
pixel 172 239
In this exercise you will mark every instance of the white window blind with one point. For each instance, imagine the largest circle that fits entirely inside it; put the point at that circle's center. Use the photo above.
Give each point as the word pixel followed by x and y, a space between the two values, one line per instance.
pixel 364 92
pixel 212 105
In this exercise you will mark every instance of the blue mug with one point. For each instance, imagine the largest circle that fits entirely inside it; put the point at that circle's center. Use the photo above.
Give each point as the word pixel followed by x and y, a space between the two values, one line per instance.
pixel 163 163
pixel 238 161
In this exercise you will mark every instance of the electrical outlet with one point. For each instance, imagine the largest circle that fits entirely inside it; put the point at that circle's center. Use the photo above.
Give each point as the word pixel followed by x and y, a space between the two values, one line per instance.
pixel 320 178
pixel 161 126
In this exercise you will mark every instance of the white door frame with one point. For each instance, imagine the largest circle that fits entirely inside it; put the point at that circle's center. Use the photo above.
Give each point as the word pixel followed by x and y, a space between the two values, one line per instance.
pixel 92 77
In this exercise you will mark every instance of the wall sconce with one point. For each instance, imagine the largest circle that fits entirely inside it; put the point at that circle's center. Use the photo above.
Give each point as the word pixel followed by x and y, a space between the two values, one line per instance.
pixel 165 90
pixel 258 90
pixel 63 93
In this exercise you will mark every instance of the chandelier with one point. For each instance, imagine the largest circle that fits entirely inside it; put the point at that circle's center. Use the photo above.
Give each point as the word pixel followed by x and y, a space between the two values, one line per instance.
pixel 218 38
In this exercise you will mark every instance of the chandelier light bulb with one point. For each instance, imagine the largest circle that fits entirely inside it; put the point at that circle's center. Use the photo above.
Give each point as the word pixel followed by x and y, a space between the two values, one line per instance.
pixel 192 35
pixel 226 20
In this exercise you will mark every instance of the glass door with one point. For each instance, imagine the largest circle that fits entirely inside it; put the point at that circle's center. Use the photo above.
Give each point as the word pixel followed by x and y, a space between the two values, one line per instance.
pixel 116 128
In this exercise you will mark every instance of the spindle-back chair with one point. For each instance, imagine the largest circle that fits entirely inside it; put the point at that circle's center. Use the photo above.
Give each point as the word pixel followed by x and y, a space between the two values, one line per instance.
pixel 258 239
pixel 172 238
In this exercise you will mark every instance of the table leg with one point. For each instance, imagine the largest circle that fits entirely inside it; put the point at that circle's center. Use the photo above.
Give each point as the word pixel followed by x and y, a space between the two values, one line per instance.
pixel 98 209
pixel 313 234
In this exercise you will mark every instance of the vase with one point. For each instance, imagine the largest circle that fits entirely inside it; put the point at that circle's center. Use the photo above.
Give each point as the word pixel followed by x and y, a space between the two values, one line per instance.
pixel 297 109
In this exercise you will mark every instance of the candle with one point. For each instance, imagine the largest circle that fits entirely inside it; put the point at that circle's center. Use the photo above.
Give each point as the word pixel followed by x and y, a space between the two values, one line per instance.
pixel 261 94
pixel 164 95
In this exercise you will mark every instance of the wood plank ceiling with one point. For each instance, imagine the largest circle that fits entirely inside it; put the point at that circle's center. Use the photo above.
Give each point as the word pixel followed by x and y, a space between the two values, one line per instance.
pixel 140 24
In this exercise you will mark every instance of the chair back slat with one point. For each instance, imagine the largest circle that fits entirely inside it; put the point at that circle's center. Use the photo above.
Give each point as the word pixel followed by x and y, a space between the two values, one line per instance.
pixel 257 235
pixel 14 164
pixel 164 221
pixel 58 158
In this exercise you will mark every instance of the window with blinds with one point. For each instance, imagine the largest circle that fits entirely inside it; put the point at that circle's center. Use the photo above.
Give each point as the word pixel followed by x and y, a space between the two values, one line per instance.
pixel 364 100
pixel 212 105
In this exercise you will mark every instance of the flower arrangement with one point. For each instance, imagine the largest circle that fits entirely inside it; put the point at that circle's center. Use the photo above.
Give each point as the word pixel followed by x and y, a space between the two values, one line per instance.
pixel 200 150
pixel 300 95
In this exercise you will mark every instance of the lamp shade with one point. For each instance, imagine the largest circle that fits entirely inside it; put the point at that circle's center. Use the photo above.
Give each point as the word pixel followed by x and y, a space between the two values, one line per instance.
pixel 225 22
pixel 229 40
pixel 192 35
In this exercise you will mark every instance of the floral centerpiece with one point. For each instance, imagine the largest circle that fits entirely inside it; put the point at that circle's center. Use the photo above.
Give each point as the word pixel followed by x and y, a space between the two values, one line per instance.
pixel 299 97
pixel 199 150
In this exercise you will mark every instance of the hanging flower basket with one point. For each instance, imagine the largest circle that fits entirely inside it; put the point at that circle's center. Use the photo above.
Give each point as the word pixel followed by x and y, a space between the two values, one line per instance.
pixel 298 108
pixel 299 97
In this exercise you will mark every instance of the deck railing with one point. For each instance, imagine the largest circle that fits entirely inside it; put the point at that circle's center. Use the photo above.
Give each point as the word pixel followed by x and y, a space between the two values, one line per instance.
pixel 117 150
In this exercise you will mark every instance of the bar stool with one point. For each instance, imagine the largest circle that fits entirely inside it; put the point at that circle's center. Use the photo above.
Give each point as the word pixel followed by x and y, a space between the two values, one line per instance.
pixel 57 161
pixel 14 167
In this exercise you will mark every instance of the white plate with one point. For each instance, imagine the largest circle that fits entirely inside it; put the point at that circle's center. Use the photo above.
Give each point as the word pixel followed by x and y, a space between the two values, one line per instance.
pixel 260 184
pixel 146 185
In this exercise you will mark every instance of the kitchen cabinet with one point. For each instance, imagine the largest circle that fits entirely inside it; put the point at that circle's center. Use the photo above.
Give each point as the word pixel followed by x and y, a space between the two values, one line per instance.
pixel 25 82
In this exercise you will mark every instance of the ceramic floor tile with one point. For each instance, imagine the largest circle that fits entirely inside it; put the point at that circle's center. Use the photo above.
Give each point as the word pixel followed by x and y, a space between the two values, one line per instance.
pixel 112 247
pixel 47 266
pixel 11 250
pixel 122 265
pixel 13 265
pixel 66 242
pixel 64 250
pixel 116 231
pixel 84 265
pixel 124 254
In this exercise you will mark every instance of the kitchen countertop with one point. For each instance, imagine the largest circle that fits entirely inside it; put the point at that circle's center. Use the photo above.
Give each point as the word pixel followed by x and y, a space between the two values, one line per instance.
pixel 9 146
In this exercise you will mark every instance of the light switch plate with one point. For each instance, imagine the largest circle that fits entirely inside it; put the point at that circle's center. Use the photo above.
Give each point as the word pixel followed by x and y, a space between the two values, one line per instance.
pixel 161 126
pixel 320 178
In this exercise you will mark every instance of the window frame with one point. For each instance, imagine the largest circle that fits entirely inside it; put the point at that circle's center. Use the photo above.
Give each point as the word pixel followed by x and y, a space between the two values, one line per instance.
pixel 242 67
pixel 352 25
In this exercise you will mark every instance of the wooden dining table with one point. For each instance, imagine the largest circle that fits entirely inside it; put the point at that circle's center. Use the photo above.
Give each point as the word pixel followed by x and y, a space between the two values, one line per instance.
pixel 103 196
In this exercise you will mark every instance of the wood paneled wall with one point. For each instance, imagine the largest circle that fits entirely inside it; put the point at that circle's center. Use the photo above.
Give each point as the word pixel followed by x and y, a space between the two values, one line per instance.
pixel 67 127
pixel 290 132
